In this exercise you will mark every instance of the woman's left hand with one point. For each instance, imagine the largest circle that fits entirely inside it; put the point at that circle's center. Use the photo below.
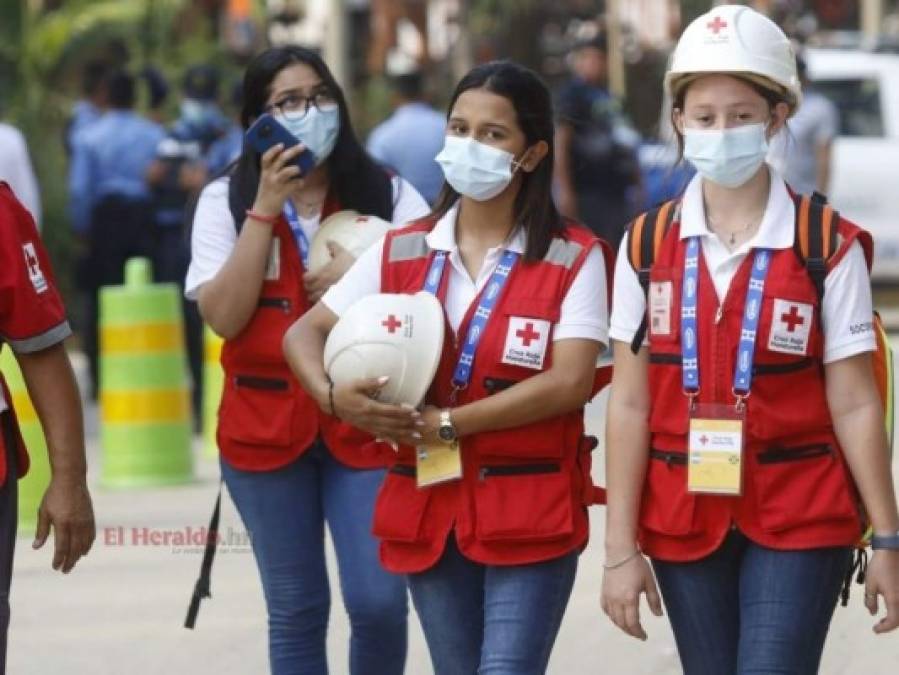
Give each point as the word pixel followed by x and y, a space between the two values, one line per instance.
pixel 882 579
pixel 317 283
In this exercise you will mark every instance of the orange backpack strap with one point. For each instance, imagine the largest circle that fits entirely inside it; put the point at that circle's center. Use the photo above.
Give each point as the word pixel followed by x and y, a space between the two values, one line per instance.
pixel 646 234
pixel 816 237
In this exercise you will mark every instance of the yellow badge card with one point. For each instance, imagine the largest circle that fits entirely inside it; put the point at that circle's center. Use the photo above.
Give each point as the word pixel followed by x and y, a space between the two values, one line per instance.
pixel 438 463
pixel 715 463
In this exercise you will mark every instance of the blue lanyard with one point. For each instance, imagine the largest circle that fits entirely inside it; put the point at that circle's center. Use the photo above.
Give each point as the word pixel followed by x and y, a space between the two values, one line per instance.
pixel 486 303
pixel 290 213
pixel 751 311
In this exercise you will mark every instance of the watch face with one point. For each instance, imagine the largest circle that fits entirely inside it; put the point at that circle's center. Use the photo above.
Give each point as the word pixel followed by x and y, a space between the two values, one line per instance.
pixel 446 434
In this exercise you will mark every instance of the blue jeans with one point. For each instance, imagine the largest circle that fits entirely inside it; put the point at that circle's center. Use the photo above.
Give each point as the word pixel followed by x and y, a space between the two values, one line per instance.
pixel 491 620
pixel 747 609
pixel 285 511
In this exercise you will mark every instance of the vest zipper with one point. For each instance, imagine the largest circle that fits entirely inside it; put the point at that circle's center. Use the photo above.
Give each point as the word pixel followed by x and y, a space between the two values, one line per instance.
pixel 276 303
pixel 518 469
pixel 719 313
pixel 267 383
pixel 669 457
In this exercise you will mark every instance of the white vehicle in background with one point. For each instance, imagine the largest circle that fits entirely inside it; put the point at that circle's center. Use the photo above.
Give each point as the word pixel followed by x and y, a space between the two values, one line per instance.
pixel 864 183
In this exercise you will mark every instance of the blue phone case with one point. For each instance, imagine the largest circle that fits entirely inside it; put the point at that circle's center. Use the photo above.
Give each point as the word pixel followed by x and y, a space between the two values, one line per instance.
pixel 267 132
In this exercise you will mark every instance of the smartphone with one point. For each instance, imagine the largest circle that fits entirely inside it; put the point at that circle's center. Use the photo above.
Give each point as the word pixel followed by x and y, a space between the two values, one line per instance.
pixel 267 132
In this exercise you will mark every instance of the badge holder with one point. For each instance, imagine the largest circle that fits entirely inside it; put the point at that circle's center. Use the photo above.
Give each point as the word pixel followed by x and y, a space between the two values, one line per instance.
pixel 438 463
pixel 715 448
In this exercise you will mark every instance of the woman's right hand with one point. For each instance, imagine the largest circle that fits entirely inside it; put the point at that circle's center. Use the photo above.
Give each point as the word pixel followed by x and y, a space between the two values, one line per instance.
pixel 621 589
pixel 278 179
pixel 355 403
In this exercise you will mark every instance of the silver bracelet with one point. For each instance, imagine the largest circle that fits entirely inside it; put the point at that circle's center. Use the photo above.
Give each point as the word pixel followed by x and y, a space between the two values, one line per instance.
pixel 616 565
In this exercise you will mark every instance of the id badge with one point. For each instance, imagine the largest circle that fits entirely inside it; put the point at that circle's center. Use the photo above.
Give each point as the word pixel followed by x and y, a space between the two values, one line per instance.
pixel 438 463
pixel 715 450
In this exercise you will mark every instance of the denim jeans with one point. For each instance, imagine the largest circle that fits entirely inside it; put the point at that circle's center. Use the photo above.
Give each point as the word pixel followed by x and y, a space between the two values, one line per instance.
pixel 489 619
pixel 285 511
pixel 747 609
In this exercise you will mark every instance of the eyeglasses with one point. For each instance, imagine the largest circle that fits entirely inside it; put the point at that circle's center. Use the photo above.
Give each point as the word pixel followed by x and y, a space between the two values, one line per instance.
pixel 295 107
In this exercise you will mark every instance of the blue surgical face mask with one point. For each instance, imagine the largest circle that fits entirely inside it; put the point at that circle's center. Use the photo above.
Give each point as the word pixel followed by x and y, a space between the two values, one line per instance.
pixel 475 169
pixel 317 130
pixel 728 157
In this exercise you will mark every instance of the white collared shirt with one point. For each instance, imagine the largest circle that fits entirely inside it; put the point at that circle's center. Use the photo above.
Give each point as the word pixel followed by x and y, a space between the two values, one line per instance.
pixel 214 235
pixel 584 312
pixel 847 306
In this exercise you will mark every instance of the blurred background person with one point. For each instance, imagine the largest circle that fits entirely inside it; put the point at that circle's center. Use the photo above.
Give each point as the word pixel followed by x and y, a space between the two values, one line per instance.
pixel 802 150
pixel 109 198
pixel 92 104
pixel 596 169
pixel 411 137
pixel 17 170
pixel 177 174
pixel 157 93
pixel 228 147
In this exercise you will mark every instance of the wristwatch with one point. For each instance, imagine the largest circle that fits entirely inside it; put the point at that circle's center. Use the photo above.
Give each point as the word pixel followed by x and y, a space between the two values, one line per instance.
pixel 886 542
pixel 446 432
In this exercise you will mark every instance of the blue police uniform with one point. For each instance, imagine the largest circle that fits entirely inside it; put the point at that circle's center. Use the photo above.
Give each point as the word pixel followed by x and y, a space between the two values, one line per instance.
pixel 407 143
pixel 109 199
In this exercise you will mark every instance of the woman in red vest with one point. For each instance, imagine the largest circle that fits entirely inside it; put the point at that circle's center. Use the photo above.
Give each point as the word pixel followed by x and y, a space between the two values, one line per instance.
pixel 489 542
pixel 289 468
pixel 743 431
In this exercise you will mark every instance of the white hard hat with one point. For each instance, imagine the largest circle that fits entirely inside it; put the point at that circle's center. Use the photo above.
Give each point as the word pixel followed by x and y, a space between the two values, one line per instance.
pixel 397 335
pixel 351 230
pixel 735 39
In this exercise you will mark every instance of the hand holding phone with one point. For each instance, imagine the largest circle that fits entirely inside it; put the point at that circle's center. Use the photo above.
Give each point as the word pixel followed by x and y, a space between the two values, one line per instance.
pixel 266 132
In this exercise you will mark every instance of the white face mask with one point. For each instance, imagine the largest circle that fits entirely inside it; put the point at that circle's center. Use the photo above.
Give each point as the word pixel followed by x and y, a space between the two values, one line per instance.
pixel 728 157
pixel 474 169
pixel 317 130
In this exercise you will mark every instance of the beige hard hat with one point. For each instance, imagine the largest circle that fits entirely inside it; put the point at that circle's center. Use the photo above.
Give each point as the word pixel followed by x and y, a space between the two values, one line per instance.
pixel 348 228
pixel 736 40
pixel 397 335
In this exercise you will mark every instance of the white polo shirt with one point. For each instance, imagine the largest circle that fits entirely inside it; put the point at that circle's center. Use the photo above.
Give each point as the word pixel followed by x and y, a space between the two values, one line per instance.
pixel 584 311
pixel 847 308
pixel 214 234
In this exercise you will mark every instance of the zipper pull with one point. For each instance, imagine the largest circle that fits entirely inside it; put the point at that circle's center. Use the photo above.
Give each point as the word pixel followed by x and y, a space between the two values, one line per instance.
pixel 719 313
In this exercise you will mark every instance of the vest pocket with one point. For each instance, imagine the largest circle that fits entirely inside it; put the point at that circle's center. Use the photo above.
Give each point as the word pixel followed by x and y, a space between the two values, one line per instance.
pixel 400 507
pixel 257 411
pixel 801 485
pixel 667 507
pixel 523 503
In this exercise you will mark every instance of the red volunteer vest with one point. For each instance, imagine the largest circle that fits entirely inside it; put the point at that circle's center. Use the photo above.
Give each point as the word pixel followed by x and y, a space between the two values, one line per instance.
pixel 797 491
pixel 523 492
pixel 22 460
pixel 266 419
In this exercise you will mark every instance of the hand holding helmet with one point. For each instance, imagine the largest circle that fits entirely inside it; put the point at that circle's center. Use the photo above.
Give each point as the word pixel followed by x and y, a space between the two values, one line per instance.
pixel 356 402
pixel 385 347
pixel 341 238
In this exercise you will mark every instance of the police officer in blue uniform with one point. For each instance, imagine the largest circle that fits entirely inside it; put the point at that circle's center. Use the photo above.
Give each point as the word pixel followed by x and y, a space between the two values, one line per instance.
pixel 177 174
pixel 109 196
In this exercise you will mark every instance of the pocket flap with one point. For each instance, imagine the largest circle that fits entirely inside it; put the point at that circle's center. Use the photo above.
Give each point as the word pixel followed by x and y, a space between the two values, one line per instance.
pixel 257 411
pixel 548 309
pixel 400 507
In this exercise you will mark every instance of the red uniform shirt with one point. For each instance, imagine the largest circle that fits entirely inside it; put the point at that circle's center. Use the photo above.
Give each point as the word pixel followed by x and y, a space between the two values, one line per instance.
pixel 32 316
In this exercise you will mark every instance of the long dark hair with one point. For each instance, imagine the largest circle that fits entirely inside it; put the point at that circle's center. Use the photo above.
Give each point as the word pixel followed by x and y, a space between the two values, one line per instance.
pixel 358 182
pixel 534 209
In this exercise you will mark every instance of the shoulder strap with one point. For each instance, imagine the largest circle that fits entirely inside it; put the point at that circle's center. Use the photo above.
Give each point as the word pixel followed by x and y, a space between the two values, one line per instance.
pixel 816 237
pixel 646 235
pixel 202 586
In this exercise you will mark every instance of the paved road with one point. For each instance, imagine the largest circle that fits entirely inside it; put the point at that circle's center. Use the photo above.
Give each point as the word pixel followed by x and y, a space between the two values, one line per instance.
pixel 122 609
